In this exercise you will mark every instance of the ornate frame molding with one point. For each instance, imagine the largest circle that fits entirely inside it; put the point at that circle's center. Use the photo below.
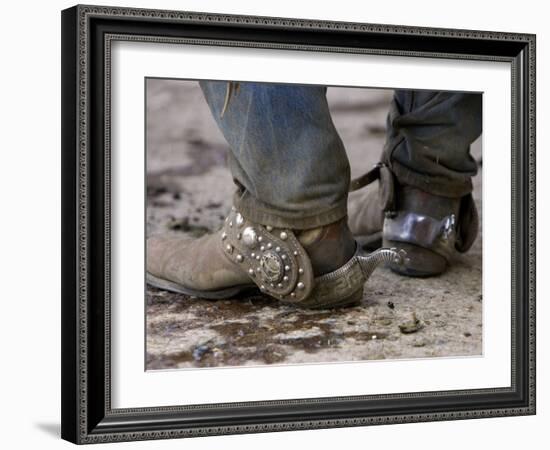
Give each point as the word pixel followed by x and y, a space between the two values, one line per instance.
pixel 84 421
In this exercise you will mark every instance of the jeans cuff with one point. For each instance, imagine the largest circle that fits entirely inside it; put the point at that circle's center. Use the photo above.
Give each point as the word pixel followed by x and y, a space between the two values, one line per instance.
pixel 257 211
pixel 433 184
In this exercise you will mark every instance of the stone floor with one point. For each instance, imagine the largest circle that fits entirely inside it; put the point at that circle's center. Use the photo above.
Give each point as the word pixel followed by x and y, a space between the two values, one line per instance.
pixel 188 192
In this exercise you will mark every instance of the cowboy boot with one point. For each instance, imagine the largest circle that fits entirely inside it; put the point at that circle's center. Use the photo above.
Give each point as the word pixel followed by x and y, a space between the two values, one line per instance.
pixel 317 268
pixel 430 228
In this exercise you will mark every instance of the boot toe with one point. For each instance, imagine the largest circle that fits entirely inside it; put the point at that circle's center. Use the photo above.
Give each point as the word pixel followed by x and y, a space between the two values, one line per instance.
pixel 196 264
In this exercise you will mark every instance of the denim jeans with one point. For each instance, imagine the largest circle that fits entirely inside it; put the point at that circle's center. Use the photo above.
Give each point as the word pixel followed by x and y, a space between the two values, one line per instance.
pixel 290 165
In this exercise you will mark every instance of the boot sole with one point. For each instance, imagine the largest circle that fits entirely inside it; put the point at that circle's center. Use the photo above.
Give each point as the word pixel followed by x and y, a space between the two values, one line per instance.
pixel 221 294
pixel 209 295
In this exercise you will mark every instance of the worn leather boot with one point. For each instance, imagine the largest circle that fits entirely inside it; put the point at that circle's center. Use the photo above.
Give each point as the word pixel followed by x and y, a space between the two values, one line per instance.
pixel 366 217
pixel 318 268
pixel 430 228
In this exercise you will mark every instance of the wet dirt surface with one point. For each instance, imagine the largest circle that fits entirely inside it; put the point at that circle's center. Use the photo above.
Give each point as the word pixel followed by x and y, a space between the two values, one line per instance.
pixel 189 194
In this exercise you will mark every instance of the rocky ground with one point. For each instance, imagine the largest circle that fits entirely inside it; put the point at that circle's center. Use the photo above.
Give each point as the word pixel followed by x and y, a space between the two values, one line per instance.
pixel 188 192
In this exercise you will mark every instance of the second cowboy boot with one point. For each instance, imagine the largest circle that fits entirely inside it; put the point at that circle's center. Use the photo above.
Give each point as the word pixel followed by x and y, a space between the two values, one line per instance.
pixel 430 228
pixel 316 268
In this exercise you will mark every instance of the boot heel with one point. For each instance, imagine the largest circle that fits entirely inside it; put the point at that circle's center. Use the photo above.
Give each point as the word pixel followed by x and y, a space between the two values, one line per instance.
pixel 421 262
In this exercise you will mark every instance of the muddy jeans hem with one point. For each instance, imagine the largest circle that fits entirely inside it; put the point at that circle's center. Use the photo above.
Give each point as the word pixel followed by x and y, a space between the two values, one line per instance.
pixel 432 184
pixel 428 138
pixel 256 211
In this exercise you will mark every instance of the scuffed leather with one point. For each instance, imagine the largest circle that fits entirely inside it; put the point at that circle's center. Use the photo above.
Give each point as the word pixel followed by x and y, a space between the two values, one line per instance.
pixel 195 263
pixel 365 216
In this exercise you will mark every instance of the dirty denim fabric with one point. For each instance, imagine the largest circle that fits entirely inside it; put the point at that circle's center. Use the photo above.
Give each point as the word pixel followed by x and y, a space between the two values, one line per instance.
pixel 286 157
pixel 428 137
pixel 290 165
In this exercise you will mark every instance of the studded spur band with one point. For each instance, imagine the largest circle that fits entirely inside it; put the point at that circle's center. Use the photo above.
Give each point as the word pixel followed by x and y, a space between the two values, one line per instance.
pixel 278 264
pixel 273 258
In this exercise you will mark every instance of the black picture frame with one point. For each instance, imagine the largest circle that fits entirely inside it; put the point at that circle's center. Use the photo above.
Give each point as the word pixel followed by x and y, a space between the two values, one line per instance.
pixel 87 416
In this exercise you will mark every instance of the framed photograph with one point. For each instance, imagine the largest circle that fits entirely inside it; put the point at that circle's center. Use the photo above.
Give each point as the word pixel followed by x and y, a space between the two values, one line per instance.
pixel 278 224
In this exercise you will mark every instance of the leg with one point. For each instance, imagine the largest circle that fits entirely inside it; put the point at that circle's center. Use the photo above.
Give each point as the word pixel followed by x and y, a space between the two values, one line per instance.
pixel 424 201
pixel 428 140
pixel 287 159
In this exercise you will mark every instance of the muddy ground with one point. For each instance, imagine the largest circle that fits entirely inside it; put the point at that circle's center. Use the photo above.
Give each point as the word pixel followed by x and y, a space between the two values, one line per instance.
pixel 189 192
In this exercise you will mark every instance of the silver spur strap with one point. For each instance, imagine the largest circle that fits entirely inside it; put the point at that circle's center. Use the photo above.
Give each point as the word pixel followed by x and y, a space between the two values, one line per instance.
pixel 272 257
pixel 438 235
